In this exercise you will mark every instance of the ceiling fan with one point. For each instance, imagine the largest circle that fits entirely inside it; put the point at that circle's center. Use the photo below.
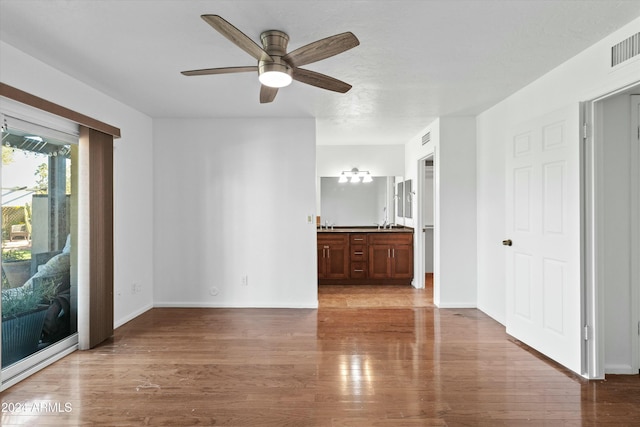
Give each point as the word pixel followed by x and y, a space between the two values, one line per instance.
pixel 276 68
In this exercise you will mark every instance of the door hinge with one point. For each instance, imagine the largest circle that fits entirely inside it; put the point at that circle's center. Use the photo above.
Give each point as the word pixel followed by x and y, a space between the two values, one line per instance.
pixel 585 131
pixel 586 333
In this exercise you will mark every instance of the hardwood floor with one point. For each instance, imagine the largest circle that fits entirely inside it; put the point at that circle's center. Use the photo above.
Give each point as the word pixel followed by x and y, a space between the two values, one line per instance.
pixel 369 356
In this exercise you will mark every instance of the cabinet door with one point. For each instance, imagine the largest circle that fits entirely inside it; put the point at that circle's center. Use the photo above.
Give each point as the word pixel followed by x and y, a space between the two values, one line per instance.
pixel 322 255
pixel 337 261
pixel 333 255
pixel 379 261
pixel 402 262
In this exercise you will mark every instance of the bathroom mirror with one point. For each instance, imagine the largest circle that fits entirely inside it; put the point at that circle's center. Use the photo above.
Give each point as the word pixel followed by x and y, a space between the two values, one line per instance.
pixel 360 204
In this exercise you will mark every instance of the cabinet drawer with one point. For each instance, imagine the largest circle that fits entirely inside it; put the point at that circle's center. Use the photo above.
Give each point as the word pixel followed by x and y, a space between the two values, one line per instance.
pixel 358 252
pixel 391 239
pixel 332 239
pixel 358 239
pixel 358 270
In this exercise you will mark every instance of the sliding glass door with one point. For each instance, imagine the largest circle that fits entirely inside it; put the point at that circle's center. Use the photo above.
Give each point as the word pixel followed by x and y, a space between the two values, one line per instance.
pixel 39 259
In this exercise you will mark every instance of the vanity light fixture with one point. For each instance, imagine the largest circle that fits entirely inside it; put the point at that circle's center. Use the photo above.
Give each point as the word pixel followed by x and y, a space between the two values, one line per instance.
pixel 354 175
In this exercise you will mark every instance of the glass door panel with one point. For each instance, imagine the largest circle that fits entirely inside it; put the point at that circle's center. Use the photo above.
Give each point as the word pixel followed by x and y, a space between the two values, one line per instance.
pixel 39 280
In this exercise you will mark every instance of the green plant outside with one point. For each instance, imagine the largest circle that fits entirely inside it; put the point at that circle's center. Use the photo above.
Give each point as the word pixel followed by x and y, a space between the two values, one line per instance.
pixel 16 255
pixel 27 299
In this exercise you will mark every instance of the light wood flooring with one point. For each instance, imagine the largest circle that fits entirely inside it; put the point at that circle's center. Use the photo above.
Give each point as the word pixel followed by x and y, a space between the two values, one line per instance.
pixel 369 356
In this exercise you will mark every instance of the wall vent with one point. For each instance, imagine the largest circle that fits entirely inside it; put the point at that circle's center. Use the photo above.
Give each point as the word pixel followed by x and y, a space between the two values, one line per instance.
pixel 426 138
pixel 625 50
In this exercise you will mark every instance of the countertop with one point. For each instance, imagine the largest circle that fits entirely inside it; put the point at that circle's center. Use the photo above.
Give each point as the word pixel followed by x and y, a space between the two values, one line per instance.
pixel 395 229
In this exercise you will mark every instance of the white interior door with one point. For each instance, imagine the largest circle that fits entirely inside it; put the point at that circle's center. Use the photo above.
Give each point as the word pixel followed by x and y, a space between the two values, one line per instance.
pixel 543 225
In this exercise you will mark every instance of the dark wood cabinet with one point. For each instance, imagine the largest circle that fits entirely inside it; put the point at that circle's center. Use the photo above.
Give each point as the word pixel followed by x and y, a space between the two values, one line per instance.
pixel 391 256
pixel 333 256
pixel 376 257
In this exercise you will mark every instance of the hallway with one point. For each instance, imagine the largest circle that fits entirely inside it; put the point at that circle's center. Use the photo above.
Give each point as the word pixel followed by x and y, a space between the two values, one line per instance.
pixel 368 356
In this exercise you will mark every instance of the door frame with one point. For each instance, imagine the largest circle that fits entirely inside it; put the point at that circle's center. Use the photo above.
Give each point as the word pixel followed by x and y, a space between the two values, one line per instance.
pixel 419 240
pixel 592 229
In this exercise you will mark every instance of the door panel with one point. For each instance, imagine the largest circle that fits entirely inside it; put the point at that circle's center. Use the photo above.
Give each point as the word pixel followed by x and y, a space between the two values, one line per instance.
pixel 338 262
pixel 543 222
pixel 379 266
pixel 402 262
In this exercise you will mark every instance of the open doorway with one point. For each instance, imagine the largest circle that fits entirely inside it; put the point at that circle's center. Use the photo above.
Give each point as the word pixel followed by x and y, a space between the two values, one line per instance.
pixel 428 202
pixel 613 232
pixel 426 222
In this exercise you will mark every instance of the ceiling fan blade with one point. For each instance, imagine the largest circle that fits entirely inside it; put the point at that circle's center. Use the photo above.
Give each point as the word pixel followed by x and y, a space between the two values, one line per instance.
pixel 322 49
pixel 320 80
pixel 225 70
pixel 237 37
pixel 267 94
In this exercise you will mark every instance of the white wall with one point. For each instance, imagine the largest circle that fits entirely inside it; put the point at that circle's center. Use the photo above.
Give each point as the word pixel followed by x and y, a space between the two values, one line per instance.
pixel 232 199
pixel 380 160
pixel 133 171
pixel 453 143
pixel 586 76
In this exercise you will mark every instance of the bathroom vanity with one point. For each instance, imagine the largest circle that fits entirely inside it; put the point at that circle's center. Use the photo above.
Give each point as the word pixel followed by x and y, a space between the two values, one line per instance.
pixel 365 255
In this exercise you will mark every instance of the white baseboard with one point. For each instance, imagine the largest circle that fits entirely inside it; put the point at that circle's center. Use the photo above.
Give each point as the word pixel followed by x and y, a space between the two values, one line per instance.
pixel 457 305
pixel 131 316
pixel 620 370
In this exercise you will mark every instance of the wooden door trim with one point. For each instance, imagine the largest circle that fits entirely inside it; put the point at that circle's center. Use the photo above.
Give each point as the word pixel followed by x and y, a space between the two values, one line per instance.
pixel 53 108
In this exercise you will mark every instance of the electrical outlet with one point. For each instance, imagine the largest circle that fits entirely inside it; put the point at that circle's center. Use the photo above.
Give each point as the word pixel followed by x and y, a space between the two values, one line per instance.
pixel 245 280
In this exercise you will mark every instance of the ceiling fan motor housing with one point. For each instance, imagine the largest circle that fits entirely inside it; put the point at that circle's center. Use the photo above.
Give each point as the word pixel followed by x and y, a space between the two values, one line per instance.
pixel 275 42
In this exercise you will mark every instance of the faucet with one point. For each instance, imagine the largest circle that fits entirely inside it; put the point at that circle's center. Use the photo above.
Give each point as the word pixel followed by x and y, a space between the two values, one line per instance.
pixel 326 225
pixel 385 218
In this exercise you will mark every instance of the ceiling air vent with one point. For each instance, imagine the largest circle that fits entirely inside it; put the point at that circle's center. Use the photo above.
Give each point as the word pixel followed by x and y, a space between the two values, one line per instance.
pixel 625 50
pixel 426 138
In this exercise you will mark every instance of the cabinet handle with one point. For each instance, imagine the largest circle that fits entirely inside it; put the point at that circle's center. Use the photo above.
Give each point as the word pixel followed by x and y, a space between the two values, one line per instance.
pixel 358 253
pixel 358 271
pixel 358 239
pixel 388 253
pixel 393 253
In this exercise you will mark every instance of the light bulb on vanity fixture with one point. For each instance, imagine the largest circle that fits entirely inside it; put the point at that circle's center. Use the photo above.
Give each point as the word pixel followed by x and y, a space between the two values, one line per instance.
pixel 354 176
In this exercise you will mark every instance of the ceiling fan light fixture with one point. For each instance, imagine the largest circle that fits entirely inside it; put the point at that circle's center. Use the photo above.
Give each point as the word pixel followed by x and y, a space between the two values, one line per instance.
pixel 275 79
pixel 274 74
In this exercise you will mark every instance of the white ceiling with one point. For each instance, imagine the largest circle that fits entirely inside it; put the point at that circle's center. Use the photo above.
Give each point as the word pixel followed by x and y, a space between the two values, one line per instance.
pixel 417 60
